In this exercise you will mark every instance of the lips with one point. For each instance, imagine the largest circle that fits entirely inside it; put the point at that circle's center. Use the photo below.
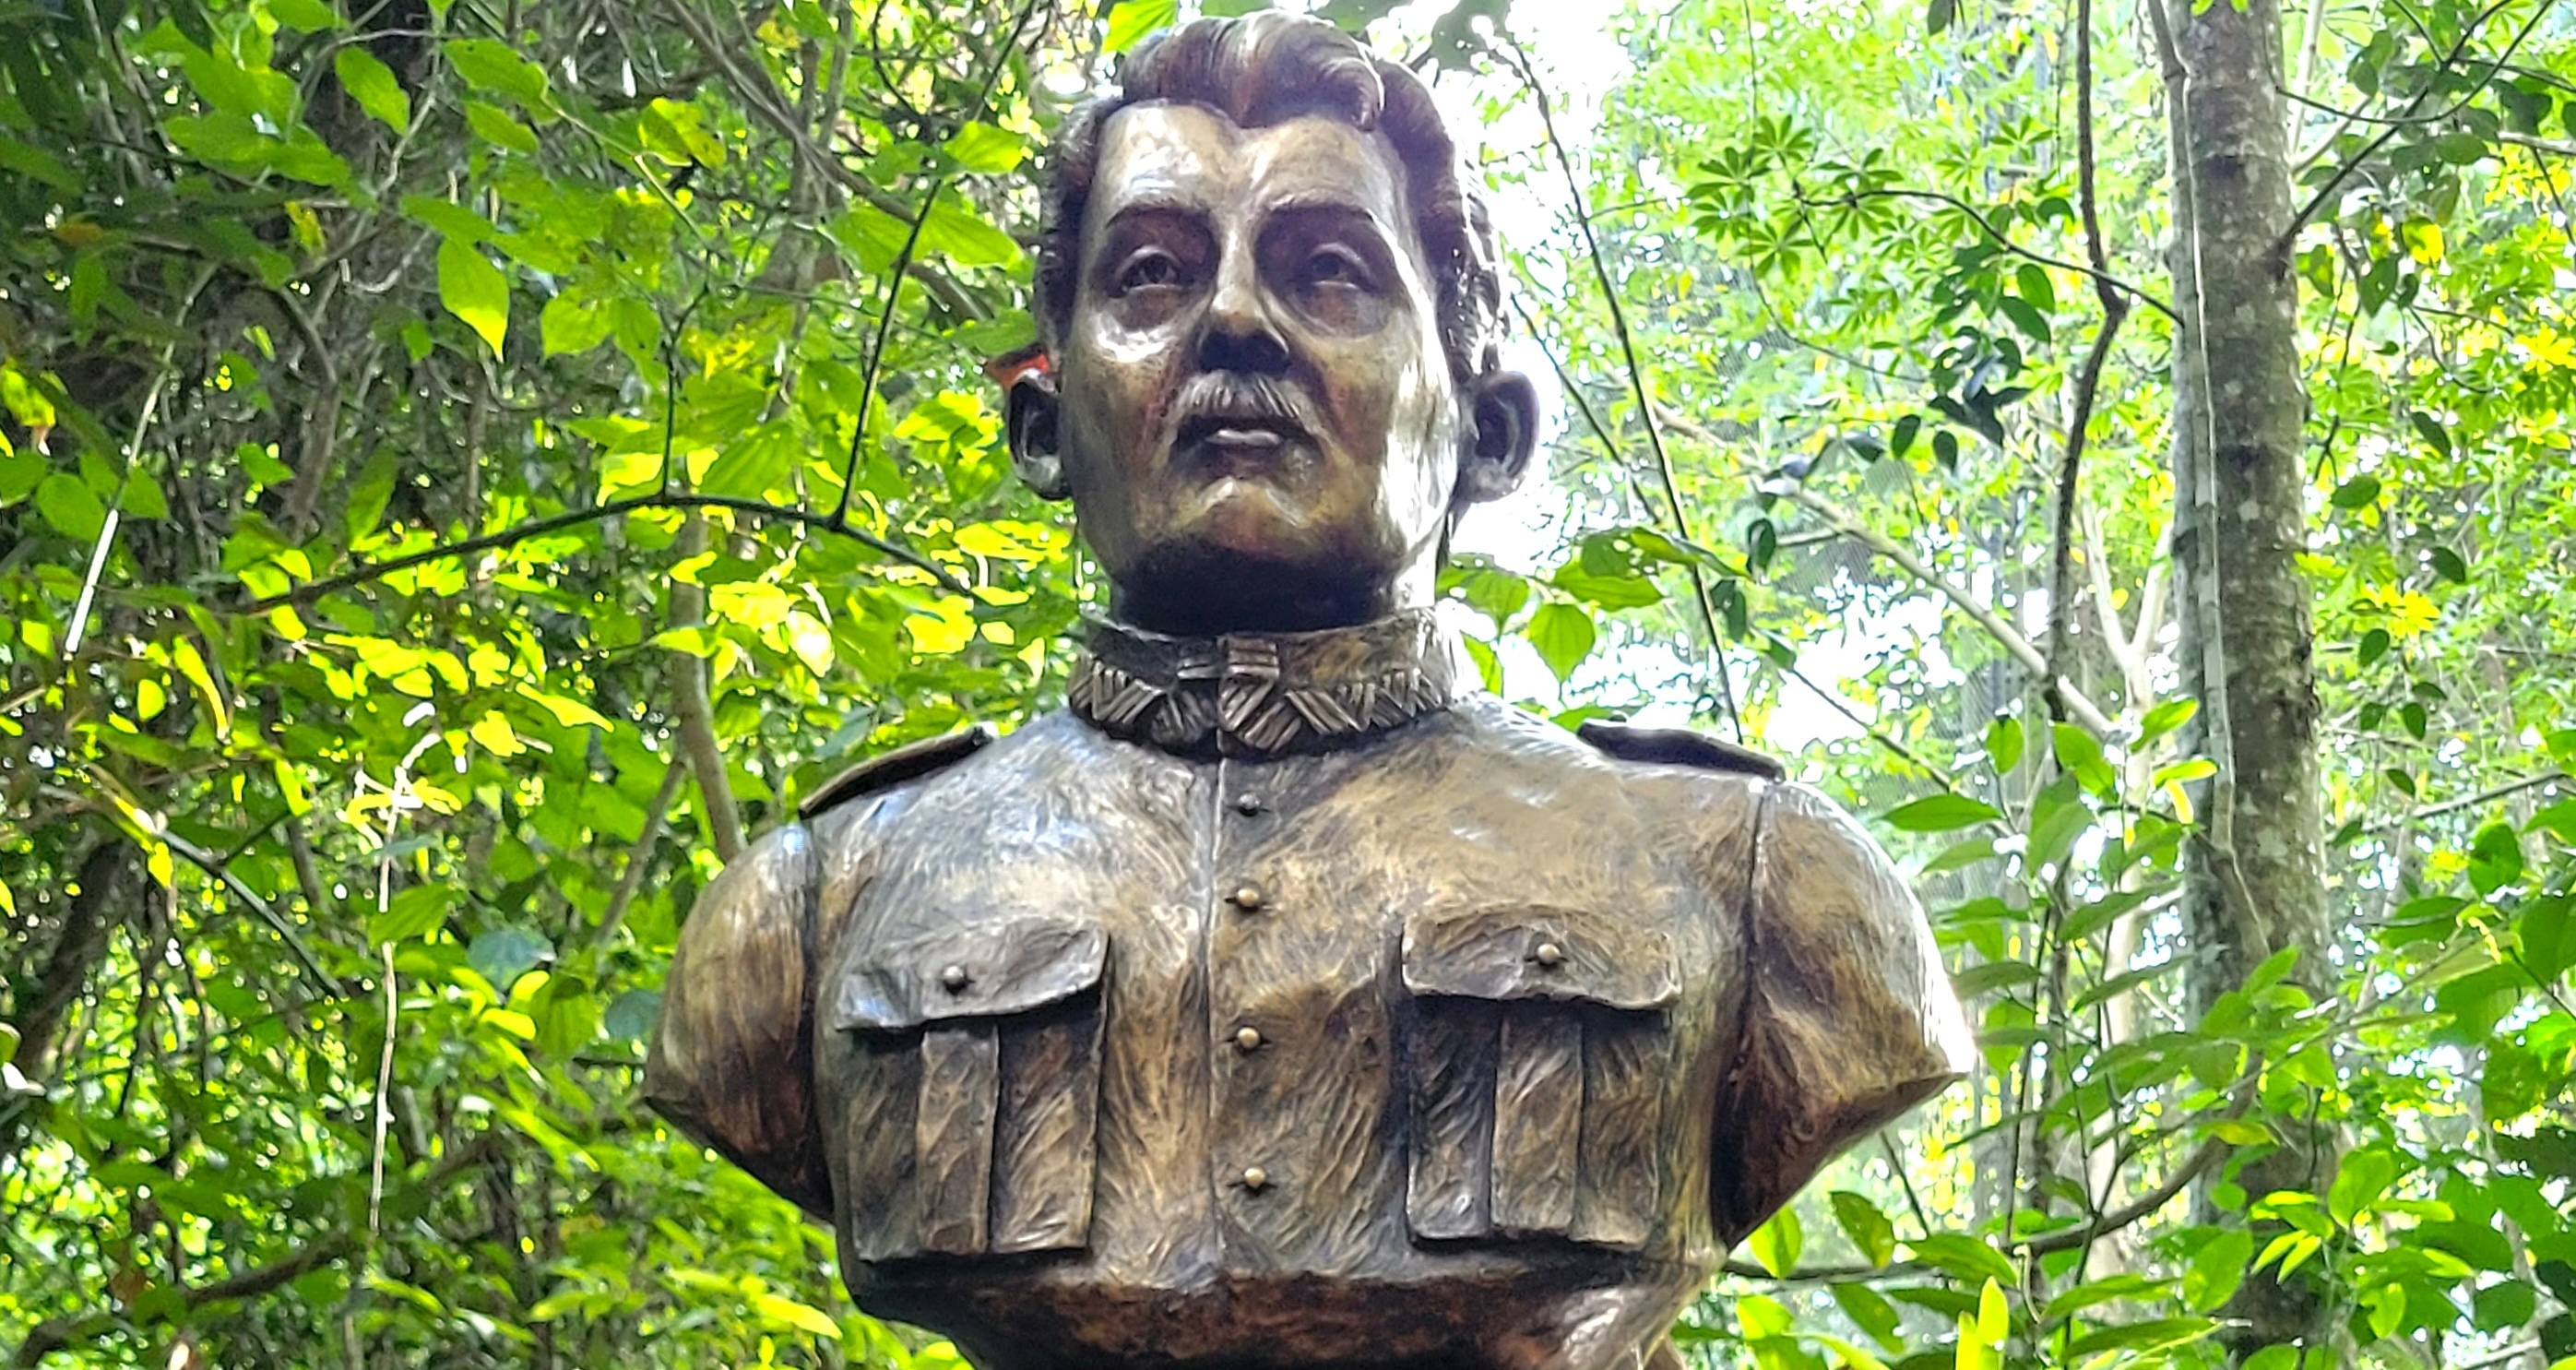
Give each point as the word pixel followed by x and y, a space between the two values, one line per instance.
pixel 1245 432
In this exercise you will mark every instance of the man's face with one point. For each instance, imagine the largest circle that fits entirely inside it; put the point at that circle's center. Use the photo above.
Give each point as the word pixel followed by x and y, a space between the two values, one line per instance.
pixel 1258 424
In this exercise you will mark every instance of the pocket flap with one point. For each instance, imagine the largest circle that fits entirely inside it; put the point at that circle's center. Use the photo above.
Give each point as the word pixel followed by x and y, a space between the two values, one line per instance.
pixel 981 970
pixel 1534 951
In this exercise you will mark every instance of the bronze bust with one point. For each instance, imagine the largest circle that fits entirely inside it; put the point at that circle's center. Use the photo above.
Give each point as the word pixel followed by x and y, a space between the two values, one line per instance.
pixel 1285 1001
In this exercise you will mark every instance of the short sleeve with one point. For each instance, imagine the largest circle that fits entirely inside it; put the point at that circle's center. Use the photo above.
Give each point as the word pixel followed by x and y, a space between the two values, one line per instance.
pixel 1849 1019
pixel 732 1061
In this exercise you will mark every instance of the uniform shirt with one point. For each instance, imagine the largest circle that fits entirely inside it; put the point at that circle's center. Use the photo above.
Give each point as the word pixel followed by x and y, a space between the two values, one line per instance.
pixel 1286 1002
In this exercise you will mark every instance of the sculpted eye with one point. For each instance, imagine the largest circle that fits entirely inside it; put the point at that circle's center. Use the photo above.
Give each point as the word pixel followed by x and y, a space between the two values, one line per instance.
pixel 1334 266
pixel 1148 269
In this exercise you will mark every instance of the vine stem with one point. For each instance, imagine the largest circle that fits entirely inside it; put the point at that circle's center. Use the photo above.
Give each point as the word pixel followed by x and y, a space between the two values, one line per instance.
pixel 574 518
pixel 1518 59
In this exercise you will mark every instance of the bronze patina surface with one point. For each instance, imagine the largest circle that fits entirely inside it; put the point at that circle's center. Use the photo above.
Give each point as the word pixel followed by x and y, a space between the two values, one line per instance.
pixel 1284 1000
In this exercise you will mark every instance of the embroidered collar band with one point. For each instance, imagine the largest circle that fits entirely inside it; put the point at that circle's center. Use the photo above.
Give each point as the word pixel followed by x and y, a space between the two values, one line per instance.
pixel 1266 694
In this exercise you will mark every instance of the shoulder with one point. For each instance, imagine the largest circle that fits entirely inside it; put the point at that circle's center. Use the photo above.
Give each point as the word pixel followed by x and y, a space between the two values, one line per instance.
pixel 886 770
pixel 1677 747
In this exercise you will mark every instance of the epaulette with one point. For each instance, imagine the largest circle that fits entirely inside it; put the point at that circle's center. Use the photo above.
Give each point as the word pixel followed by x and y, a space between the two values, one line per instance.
pixel 910 761
pixel 1678 747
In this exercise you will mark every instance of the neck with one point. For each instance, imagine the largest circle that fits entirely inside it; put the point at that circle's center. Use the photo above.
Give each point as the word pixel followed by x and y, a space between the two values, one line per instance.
pixel 1254 599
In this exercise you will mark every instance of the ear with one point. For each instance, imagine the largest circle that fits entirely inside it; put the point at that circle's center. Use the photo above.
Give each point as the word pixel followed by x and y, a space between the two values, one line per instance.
pixel 1501 436
pixel 1029 426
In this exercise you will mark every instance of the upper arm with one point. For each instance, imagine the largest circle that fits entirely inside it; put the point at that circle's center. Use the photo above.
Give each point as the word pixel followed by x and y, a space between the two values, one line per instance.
pixel 1849 1017
pixel 731 1063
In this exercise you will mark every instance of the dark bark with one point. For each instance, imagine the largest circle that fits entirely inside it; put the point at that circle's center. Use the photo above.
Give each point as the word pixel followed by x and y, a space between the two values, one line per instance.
pixel 2256 884
pixel 105 887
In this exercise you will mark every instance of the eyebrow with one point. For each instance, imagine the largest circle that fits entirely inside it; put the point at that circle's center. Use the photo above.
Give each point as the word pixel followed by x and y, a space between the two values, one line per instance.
pixel 1324 202
pixel 1149 205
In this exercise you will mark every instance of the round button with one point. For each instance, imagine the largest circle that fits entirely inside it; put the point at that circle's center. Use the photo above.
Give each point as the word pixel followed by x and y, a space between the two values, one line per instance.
pixel 1256 1179
pixel 1549 954
pixel 1247 1038
pixel 1247 898
pixel 954 979
pixel 1249 804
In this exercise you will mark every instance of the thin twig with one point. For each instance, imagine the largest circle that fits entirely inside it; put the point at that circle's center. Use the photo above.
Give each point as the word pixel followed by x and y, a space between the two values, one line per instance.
pixel 2325 193
pixel 2084 711
pixel 2001 239
pixel 2088 380
pixel 1519 61
pixel 574 518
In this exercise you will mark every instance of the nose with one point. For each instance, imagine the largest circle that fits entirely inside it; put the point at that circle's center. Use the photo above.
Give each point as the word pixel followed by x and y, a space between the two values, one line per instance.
pixel 1237 334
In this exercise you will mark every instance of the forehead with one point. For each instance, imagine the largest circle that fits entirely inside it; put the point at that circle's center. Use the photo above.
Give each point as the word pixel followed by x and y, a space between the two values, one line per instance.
pixel 1183 154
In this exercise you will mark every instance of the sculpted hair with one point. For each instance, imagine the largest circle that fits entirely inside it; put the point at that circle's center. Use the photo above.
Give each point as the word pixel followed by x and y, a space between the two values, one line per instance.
pixel 1266 69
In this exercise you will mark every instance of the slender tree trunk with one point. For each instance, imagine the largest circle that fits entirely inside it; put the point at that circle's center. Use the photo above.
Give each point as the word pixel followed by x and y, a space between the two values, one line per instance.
pixel 2256 884
pixel 107 885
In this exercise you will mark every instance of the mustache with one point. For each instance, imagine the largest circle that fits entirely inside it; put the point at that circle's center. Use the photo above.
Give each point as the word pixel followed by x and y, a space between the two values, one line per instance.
pixel 1212 400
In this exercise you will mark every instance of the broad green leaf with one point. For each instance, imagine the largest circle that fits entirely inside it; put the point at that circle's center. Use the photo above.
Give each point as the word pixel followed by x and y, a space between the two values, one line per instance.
pixel 414 911
pixel 573 322
pixel 1133 19
pixel 1776 1243
pixel 982 148
pixel 2219 1259
pixel 498 127
pixel 1563 636
pixel 371 83
pixel 1942 813
pixel 69 508
pixel 2356 493
pixel 801 1316
pixel 474 290
pixel 1868 1228
pixel 487 64
pixel 957 232
pixel 2166 717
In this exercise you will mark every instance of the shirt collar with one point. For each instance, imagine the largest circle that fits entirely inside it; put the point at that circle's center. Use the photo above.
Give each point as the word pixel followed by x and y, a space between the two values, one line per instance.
pixel 1266 694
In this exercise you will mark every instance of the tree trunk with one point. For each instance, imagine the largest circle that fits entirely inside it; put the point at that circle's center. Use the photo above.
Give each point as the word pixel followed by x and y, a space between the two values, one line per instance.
pixel 2256 883
pixel 105 888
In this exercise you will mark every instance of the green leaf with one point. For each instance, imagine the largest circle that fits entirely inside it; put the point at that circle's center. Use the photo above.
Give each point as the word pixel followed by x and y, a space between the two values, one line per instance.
pixel 37 164
pixel 2495 858
pixel 1776 1243
pixel 499 127
pixel 2365 1175
pixel 413 911
pixel 1563 636
pixel 2373 645
pixel 1870 1313
pixel 2004 743
pixel 2032 280
pixel 804 1317
pixel 2355 493
pixel 1607 591
pixel 1938 17
pixel 1965 1257
pixel 2219 1259
pixel 1942 813
pixel 502 955
pixel 1868 1228
pixel 474 290
pixel 305 16
pixel 983 148
pixel 488 64
pixel 573 322
pixel 142 497
pixel 2080 753
pixel 2166 717
pixel 957 232
pixel 371 83
pixel 2449 565
pixel 449 218
pixel 1133 19
pixel 69 508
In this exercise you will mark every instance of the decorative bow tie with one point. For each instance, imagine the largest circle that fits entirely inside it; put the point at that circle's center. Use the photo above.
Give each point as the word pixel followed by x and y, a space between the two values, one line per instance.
pixel 1265 694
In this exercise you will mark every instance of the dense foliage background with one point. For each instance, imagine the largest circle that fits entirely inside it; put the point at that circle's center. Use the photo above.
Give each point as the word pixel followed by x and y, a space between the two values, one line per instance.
pixel 466 464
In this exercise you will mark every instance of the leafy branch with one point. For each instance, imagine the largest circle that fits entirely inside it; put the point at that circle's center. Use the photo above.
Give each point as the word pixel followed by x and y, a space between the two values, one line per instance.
pixel 573 518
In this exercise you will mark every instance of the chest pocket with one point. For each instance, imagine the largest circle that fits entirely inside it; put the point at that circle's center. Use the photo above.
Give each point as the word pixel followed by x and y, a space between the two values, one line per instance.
pixel 978 1090
pixel 1539 1056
